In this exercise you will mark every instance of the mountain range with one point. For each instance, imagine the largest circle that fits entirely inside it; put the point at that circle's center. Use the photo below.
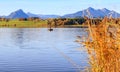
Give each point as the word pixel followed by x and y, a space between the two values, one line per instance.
pixel 89 12
pixel 94 13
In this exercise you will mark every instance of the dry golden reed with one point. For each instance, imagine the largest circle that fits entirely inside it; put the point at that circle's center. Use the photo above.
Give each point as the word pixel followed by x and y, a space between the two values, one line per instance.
pixel 103 46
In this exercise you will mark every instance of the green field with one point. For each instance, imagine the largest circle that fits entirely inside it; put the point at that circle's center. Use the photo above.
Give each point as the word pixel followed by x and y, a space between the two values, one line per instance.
pixel 15 23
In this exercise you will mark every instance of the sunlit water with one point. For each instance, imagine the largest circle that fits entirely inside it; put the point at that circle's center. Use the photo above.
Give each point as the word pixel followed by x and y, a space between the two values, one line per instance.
pixel 39 50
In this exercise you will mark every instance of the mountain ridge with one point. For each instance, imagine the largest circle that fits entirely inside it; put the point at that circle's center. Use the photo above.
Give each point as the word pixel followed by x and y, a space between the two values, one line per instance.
pixel 89 12
pixel 18 14
pixel 43 16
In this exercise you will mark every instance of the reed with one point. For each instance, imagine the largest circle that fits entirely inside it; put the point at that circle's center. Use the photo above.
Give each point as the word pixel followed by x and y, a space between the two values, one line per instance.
pixel 103 46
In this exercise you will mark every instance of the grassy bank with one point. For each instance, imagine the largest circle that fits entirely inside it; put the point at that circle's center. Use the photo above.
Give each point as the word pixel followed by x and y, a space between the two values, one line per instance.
pixel 42 23
pixel 15 23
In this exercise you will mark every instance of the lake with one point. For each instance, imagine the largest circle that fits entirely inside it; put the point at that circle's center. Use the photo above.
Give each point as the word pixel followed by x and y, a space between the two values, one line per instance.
pixel 39 50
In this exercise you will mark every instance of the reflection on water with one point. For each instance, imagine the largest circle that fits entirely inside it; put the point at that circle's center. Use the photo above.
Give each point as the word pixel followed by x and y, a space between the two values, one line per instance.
pixel 38 50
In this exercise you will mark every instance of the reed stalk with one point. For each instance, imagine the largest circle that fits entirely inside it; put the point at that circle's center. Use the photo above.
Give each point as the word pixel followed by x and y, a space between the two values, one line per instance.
pixel 103 46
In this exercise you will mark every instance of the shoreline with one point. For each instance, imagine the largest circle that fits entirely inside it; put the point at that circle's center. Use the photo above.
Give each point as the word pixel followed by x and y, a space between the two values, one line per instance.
pixel 65 26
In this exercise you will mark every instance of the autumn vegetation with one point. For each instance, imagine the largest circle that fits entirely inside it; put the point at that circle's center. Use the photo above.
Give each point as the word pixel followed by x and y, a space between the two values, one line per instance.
pixel 36 22
pixel 103 45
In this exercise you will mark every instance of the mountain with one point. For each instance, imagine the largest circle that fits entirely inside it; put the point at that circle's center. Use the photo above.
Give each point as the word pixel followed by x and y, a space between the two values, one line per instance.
pixel 18 14
pixel 91 12
pixel 42 16
pixel 114 14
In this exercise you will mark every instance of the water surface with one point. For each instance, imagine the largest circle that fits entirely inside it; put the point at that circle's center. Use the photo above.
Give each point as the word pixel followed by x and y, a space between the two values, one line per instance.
pixel 38 50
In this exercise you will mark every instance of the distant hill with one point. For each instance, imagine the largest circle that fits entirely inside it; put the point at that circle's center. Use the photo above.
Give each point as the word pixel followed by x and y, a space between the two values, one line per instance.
pixel 91 12
pixel 3 17
pixel 18 14
pixel 42 16
pixel 32 15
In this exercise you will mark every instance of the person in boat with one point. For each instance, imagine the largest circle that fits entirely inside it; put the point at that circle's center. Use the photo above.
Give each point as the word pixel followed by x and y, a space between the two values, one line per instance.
pixel 49 24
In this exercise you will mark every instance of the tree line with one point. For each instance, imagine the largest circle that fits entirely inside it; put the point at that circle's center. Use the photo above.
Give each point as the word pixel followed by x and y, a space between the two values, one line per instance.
pixel 80 21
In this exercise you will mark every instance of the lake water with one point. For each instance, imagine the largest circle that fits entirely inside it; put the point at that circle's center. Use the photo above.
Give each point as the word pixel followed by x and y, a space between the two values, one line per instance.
pixel 39 50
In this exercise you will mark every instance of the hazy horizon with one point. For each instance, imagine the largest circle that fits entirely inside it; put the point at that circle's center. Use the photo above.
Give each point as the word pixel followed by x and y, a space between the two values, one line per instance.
pixel 57 7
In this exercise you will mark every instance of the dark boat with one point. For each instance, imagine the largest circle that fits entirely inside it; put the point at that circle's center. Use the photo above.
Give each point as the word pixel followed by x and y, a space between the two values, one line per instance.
pixel 50 29
pixel 49 25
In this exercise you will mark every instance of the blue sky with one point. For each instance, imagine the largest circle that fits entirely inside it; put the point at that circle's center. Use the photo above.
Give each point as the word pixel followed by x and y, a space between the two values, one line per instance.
pixel 59 7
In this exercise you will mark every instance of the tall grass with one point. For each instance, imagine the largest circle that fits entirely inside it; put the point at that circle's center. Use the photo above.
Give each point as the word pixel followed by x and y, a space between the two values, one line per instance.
pixel 103 46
